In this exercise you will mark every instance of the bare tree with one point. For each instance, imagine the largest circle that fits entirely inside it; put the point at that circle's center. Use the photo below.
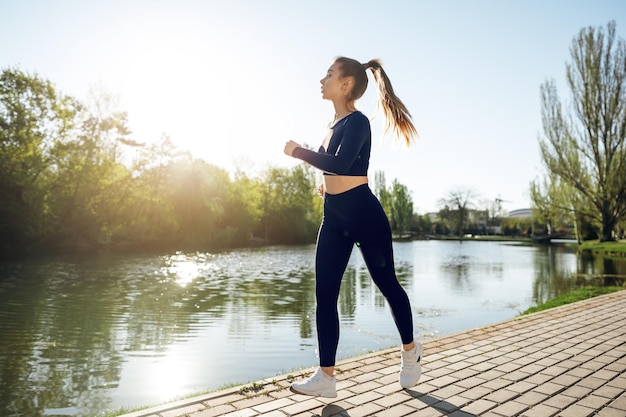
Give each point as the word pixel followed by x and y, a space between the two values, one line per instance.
pixel 459 201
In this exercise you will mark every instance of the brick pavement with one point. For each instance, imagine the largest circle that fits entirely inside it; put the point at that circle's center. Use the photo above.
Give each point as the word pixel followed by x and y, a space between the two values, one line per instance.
pixel 568 362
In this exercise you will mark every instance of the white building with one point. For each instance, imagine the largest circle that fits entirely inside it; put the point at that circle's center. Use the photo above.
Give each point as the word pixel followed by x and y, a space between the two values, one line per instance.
pixel 520 213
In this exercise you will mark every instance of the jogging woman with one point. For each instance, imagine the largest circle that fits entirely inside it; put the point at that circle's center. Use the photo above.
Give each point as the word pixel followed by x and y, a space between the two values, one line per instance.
pixel 353 215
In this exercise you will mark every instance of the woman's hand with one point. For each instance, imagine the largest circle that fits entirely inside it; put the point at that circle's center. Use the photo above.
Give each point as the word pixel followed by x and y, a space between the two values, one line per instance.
pixel 290 146
pixel 320 190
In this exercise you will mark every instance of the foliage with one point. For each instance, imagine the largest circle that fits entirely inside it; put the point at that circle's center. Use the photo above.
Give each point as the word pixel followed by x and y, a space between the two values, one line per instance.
pixel 517 227
pixel 381 191
pixel 585 150
pixel 36 124
pixel 72 178
pixel 396 201
pixel 401 207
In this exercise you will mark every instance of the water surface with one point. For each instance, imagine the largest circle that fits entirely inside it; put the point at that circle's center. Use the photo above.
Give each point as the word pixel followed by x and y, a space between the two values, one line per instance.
pixel 83 335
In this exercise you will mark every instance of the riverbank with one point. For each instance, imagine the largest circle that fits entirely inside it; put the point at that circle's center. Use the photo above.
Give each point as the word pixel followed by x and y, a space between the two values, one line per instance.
pixel 569 359
pixel 615 249
pixel 579 294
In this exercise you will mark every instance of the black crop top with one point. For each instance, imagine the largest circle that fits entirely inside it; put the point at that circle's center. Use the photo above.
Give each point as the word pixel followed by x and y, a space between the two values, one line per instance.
pixel 348 150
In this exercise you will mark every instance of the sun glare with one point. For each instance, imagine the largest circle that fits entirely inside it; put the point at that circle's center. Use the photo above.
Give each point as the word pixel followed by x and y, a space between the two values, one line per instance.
pixel 180 86
pixel 182 268
pixel 169 376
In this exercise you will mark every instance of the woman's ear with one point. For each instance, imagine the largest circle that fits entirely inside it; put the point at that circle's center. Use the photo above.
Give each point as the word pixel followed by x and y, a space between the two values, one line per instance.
pixel 347 83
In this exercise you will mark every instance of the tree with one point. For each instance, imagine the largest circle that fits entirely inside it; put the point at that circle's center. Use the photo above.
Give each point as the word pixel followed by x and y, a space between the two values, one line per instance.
pixel 380 189
pixel 92 187
pixel 290 205
pixel 586 149
pixel 401 207
pixel 459 202
pixel 396 202
pixel 35 123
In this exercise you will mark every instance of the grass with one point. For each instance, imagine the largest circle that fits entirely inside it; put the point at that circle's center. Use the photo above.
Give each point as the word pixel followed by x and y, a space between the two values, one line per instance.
pixel 579 294
pixel 609 249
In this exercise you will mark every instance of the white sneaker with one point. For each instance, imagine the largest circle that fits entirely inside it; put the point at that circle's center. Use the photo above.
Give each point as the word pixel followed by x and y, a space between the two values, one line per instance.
pixel 319 385
pixel 410 368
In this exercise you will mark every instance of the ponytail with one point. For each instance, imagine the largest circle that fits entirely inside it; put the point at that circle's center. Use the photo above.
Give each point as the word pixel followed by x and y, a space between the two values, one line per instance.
pixel 397 117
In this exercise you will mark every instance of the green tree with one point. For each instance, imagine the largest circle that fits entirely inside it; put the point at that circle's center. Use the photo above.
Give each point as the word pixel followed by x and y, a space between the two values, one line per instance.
pixel 422 224
pixel 199 193
pixel 289 205
pixel 93 187
pixel 35 123
pixel 381 191
pixel 401 207
pixel 587 148
pixel 150 219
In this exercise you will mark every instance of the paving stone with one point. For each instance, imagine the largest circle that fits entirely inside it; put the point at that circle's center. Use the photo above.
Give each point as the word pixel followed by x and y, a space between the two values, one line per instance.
pixel 620 403
pixel 608 391
pixel 531 398
pixel 397 411
pixel 540 410
pixel 218 410
pixel 501 396
pixel 302 405
pixel 577 391
pixel 475 393
pixel 510 408
pixel 560 401
pixel 610 412
pixel 273 405
pixel 479 407
pixel 183 410
pixel 577 411
pixel 592 382
pixel 246 412
pixel 365 387
pixel 593 401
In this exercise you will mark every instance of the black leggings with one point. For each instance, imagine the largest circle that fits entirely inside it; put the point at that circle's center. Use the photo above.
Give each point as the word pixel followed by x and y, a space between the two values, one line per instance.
pixel 355 216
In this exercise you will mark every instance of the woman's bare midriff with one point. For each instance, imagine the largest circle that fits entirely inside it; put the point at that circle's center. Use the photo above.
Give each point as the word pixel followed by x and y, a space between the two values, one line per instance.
pixel 337 184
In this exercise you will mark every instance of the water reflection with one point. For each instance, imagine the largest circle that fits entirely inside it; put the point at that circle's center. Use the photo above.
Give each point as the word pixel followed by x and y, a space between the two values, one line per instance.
pixel 80 336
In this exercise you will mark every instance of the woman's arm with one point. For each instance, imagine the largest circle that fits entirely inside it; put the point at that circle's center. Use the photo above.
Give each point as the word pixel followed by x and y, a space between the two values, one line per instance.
pixel 356 132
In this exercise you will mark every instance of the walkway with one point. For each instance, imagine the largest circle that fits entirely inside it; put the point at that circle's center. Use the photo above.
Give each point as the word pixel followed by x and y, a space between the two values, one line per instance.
pixel 569 361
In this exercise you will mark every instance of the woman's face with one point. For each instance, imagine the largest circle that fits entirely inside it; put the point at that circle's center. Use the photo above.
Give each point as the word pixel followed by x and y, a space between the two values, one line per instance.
pixel 333 85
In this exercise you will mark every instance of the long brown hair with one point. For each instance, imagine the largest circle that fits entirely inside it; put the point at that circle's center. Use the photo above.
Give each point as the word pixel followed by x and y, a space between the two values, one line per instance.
pixel 397 117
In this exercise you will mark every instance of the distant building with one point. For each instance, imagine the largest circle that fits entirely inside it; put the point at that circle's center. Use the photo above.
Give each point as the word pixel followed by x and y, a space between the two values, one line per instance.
pixel 520 213
pixel 433 215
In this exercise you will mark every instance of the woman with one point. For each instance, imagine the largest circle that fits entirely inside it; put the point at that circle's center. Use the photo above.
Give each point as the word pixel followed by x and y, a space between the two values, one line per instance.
pixel 353 215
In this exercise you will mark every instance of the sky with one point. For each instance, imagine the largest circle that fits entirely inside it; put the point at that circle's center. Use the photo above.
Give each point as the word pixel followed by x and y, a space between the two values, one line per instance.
pixel 232 80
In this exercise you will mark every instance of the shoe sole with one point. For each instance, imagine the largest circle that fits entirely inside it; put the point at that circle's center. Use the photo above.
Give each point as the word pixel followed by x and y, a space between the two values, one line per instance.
pixel 325 394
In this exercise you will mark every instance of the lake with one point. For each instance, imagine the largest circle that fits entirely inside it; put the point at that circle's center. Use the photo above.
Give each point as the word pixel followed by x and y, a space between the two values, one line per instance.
pixel 82 335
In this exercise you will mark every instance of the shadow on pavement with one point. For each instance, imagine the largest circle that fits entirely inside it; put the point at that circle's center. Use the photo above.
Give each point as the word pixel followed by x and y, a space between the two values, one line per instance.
pixel 439 405
pixel 444 407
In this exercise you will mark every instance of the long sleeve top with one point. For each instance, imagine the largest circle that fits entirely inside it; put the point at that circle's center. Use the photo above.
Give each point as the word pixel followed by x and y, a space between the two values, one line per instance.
pixel 348 150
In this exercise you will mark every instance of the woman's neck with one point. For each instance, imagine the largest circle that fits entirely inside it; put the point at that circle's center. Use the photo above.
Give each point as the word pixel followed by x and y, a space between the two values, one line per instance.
pixel 343 109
